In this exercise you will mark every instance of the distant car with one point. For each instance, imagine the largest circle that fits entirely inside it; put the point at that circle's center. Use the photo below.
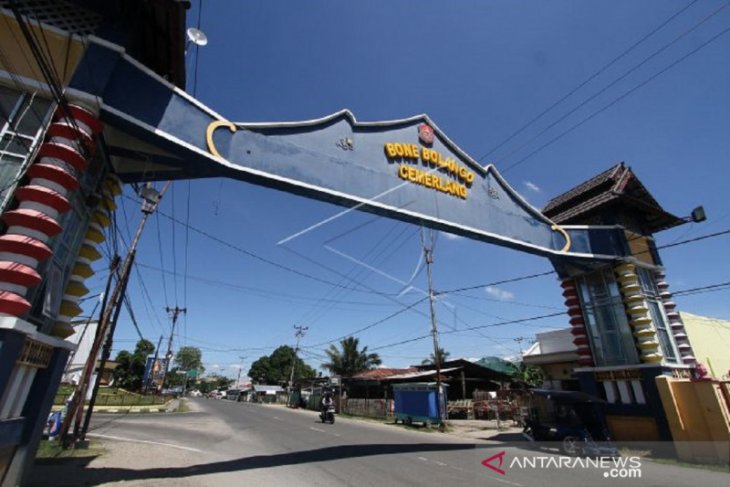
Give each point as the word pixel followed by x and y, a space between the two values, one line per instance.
pixel 195 393
pixel 215 395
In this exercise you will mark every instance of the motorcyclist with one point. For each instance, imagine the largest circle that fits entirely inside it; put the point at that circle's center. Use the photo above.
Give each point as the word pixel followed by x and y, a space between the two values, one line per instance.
pixel 327 402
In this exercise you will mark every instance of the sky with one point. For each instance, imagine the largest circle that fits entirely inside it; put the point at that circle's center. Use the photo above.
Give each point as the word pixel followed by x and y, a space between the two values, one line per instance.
pixel 656 99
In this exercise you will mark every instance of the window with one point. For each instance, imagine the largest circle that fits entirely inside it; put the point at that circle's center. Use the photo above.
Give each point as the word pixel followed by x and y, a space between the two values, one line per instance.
pixel 656 310
pixel 606 322
pixel 22 116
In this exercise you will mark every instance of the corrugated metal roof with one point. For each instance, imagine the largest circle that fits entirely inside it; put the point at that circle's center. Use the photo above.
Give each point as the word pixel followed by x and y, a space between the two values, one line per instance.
pixel 422 373
pixel 380 374
pixel 264 388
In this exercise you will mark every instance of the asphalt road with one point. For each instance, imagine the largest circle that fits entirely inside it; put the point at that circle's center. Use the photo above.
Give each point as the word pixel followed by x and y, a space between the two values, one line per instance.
pixel 227 443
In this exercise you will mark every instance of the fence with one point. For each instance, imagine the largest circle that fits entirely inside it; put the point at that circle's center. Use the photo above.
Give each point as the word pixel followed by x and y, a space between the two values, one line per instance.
pixel 370 408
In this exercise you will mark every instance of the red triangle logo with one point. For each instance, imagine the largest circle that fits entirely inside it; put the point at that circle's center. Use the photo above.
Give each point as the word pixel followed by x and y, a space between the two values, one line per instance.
pixel 488 462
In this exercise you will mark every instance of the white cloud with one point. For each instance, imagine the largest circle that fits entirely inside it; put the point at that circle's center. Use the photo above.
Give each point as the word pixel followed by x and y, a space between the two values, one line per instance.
pixel 532 186
pixel 500 294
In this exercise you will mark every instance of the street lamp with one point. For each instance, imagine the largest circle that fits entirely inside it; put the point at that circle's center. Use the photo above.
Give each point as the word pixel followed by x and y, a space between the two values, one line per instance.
pixel 697 215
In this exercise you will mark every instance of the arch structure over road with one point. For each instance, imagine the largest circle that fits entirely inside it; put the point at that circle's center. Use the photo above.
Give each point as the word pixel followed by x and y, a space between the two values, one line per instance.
pixel 404 169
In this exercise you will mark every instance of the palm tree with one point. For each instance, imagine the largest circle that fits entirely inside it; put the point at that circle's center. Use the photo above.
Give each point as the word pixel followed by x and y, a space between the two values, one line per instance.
pixel 348 360
pixel 443 356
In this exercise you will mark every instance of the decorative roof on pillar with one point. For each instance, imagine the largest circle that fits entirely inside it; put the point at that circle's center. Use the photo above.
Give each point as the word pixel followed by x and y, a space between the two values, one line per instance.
pixel 614 191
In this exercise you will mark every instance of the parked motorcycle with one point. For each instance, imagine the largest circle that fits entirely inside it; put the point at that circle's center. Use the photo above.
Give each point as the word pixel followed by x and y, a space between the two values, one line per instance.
pixel 328 415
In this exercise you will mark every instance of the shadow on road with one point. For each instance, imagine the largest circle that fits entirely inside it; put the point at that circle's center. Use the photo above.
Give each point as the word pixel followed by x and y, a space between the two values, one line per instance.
pixel 84 475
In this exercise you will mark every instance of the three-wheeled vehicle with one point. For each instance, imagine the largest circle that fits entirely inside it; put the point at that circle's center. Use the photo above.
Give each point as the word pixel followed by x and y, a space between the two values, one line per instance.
pixel 572 418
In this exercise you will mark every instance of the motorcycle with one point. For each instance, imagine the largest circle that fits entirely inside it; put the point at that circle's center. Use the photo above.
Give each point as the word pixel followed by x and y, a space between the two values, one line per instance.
pixel 328 415
pixel 570 419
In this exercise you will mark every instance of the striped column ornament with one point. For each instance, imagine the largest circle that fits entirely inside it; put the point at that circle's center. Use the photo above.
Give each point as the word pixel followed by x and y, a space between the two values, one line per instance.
pixel 639 316
pixel 53 176
pixel 75 289
pixel 577 322
pixel 675 320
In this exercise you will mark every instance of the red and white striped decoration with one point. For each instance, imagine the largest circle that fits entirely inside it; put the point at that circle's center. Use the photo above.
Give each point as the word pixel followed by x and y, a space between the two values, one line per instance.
pixel 675 320
pixel 53 176
pixel 577 323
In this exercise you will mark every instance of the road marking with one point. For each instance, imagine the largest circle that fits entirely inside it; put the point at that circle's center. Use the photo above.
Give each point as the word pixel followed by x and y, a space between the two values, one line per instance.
pixel 440 464
pixel 119 438
pixel 317 429
pixel 507 482
pixel 278 418
pixel 422 459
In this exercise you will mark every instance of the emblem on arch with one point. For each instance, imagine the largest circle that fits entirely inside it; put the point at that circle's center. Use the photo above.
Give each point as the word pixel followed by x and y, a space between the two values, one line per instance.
pixel 425 134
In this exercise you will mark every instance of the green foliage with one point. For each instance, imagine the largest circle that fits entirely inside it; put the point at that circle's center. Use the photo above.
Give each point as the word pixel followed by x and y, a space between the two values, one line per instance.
pixel 130 369
pixel 431 360
pixel 276 368
pixel 529 374
pixel 213 382
pixel 189 358
pixel 349 360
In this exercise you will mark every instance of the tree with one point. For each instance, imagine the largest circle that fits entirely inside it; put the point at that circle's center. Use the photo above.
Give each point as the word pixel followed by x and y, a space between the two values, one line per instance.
pixel 189 358
pixel 348 360
pixel 129 372
pixel 431 360
pixel 529 374
pixel 214 382
pixel 276 368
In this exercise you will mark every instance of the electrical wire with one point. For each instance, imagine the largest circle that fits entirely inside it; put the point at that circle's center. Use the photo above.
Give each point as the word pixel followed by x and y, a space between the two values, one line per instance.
pixel 589 79
pixel 618 99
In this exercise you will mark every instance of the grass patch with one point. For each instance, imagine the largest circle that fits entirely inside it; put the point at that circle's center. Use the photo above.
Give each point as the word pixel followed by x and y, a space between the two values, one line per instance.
pixel 52 449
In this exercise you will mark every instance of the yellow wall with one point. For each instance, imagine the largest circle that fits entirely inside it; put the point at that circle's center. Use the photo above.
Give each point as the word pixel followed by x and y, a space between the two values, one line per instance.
pixel 64 51
pixel 699 418
pixel 710 339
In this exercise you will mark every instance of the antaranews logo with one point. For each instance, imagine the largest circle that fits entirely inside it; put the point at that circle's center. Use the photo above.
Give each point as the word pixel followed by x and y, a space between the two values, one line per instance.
pixel 610 467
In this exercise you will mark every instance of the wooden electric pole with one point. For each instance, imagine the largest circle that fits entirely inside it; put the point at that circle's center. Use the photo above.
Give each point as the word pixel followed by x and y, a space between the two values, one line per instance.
pixel 174 313
pixel 428 257
pixel 107 322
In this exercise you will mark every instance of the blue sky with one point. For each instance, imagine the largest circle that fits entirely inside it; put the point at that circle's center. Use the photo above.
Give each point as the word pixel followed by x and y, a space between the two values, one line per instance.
pixel 481 70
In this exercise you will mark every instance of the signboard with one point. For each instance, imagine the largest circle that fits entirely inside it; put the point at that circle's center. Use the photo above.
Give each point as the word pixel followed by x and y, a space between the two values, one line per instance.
pixel 154 372
pixel 404 169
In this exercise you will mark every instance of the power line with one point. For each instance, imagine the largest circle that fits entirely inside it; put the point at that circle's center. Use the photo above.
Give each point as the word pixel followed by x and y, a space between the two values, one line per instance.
pixel 589 79
pixel 701 290
pixel 615 81
pixel 496 283
pixel 616 100
pixel 265 293
pixel 696 239
pixel 491 325
pixel 372 325
pixel 256 256
pixel 130 310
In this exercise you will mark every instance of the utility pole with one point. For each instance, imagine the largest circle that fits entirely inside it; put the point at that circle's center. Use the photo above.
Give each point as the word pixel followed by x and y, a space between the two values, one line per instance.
pixel 174 313
pixel 240 368
pixel 519 343
pixel 428 257
pixel 299 332
pixel 107 323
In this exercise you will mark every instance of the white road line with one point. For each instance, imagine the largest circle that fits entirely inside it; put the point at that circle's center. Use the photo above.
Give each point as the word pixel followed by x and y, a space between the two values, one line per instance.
pixel 422 459
pixel 317 429
pixel 119 438
pixel 507 482
pixel 440 464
